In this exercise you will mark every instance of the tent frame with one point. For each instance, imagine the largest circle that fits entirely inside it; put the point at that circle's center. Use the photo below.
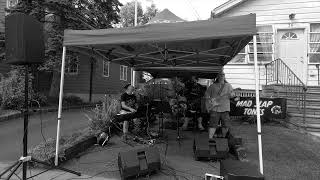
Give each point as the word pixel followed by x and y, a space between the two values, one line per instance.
pixel 132 55
pixel 163 61
pixel 164 52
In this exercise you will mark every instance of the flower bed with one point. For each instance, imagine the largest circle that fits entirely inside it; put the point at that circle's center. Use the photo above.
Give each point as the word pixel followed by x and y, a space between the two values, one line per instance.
pixel 69 147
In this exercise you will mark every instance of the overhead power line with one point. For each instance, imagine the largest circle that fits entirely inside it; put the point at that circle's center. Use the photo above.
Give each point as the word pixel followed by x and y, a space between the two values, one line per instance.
pixel 194 10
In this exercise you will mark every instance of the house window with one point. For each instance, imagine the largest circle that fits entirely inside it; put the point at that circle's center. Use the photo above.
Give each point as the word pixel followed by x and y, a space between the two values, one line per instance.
pixel 289 36
pixel 314 44
pixel 123 73
pixel 265 50
pixel 106 66
pixel 11 3
pixel 72 66
pixel 240 58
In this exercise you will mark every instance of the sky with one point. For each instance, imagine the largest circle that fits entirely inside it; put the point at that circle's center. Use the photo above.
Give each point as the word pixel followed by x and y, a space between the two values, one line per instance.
pixel 189 10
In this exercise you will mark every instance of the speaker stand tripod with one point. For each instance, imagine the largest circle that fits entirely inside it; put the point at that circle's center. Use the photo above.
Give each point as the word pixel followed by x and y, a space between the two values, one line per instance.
pixel 160 121
pixel 25 159
pixel 179 137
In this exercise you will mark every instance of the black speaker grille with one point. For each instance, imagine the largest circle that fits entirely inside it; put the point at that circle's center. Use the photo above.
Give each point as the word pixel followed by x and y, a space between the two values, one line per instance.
pixel 24 40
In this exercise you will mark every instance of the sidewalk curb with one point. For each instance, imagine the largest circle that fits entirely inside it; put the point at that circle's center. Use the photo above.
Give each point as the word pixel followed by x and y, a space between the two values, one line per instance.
pixel 32 112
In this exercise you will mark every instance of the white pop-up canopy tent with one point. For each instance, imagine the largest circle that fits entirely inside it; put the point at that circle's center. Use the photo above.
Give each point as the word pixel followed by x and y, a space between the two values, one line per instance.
pixel 208 44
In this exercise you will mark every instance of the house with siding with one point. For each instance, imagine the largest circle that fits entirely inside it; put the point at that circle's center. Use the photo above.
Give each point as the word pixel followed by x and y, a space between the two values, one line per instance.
pixel 289 30
pixel 288 49
pixel 91 80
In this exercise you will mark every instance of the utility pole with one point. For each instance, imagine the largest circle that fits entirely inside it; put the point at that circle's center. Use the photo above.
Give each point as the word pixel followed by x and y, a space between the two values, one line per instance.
pixel 133 73
pixel 135 13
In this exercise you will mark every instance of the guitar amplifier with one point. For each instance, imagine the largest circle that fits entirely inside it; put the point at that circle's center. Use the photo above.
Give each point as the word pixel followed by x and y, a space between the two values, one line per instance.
pixel 138 162
pixel 214 148
pixel 237 170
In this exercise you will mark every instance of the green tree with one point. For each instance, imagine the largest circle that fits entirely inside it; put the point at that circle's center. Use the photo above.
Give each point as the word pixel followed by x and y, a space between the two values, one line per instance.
pixel 127 20
pixel 59 15
pixel 127 14
pixel 151 12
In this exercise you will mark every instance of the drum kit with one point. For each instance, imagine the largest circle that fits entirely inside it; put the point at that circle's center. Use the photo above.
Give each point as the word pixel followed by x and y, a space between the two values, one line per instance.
pixel 162 98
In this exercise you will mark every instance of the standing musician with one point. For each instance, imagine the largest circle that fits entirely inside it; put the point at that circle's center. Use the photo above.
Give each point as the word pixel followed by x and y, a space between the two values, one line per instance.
pixel 218 103
pixel 194 92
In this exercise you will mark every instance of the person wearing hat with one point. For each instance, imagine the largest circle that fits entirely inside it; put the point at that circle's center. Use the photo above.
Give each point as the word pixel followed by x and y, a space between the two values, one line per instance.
pixel 218 103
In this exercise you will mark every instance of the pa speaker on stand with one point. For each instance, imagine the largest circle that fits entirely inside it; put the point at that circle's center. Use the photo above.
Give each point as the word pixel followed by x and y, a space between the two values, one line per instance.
pixel 24 40
pixel 25 46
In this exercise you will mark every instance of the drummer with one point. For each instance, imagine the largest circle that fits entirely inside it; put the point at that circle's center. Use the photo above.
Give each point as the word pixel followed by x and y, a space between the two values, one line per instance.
pixel 194 92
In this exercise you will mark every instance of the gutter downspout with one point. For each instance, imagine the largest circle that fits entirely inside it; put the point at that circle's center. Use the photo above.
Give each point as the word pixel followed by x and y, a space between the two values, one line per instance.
pixel 91 76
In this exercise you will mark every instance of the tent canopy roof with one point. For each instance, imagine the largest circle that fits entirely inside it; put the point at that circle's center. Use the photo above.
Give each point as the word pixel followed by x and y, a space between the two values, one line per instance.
pixel 184 44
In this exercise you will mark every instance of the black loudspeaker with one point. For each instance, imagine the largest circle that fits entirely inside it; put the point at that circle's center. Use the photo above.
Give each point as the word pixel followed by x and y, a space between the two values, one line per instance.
pixel 139 162
pixel 237 170
pixel 207 149
pixel 24 40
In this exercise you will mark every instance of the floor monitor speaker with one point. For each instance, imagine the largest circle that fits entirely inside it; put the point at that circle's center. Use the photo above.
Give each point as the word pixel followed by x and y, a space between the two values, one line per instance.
pixel 210 149
pixel 138 162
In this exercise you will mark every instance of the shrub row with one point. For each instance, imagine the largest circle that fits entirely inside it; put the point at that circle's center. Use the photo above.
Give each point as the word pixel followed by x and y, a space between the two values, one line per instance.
pixel 12 93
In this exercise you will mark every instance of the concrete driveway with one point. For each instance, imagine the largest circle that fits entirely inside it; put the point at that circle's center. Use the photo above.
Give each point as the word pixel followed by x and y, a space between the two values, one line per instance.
pixel 11 132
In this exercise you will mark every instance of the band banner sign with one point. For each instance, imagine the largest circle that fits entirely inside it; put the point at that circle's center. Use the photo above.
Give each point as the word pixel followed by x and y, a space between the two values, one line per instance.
pixel 269 107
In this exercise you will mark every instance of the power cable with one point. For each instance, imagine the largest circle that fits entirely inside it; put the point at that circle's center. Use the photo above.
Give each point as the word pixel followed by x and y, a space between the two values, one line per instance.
pixel 102 172
pixel 148 123
pixel 30 174
pixel 40 173
pixel 194 10
pixel 41 121
pixel 58 175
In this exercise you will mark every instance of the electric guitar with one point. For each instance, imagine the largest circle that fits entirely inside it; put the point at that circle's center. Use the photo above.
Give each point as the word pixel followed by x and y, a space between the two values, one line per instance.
pixel 211 103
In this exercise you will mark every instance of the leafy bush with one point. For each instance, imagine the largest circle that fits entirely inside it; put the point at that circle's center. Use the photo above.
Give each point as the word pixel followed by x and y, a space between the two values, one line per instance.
pixel 103 115
pixel 72 100
pixel 12 89
pixel 39 98
pixel 67 100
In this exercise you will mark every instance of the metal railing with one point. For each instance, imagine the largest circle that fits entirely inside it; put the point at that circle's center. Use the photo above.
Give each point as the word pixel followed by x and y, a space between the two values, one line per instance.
pixel 245 93
pixel 278 73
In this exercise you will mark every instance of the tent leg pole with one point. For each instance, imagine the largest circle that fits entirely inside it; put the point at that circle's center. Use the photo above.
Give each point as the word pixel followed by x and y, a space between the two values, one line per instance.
pixel 60 104
pixel 133 77
pixel 258 102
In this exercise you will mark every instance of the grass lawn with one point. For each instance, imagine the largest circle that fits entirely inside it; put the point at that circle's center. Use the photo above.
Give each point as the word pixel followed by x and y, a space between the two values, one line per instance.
pixel 287 154
pixel 7 112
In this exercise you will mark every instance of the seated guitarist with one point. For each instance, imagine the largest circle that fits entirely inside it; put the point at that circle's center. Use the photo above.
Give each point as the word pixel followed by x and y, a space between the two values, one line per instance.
pixel 218 103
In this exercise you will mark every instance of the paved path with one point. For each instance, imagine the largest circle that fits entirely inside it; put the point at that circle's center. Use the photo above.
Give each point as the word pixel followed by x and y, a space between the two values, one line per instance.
pixel 101 163
pixel 11 132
